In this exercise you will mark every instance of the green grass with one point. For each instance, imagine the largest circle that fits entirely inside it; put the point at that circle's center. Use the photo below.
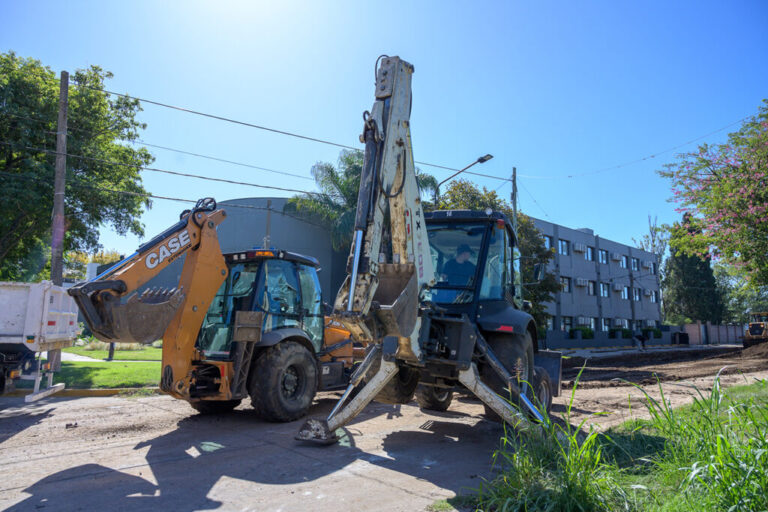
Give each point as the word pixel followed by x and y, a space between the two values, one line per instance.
pixel 148 353
pixel 88 375
pixel 711 455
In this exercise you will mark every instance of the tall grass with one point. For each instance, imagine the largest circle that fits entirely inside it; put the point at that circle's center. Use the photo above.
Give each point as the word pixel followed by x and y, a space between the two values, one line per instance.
pixel 710 455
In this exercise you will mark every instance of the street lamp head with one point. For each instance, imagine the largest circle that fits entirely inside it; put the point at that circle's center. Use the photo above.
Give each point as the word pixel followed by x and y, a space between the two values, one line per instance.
pixel 484 159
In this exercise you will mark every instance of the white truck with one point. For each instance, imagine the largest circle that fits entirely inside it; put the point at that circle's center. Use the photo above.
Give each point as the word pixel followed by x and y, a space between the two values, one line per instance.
pixel 34 318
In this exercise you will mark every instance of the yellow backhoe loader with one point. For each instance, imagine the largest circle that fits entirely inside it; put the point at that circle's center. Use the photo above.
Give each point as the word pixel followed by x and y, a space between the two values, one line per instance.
pixel 248 323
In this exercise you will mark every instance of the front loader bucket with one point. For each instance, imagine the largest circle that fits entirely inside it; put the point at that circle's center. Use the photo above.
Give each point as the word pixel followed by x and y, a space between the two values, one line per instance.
pixel 143 319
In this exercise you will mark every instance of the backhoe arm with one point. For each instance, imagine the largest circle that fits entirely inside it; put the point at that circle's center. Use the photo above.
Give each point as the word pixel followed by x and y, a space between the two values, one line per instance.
pixel 392 278
pixel 144 319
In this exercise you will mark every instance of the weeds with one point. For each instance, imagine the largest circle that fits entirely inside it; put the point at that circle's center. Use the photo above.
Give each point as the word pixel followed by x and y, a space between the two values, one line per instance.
pixel 710 455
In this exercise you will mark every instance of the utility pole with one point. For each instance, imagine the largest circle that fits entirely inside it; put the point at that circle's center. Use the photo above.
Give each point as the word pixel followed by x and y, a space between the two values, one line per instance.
pixel 514 199
pixel 58 228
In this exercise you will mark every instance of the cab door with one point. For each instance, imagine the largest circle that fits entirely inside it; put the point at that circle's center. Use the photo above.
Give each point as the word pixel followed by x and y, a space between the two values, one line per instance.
pixel 312 318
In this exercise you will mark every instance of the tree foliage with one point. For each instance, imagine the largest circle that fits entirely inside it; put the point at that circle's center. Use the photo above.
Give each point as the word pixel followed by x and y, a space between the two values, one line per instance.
pixel 97 126
pixel 76 262
pixel 690 290
pixel 336 203
pixel 740 295
pixel 724 188
pixel 463 194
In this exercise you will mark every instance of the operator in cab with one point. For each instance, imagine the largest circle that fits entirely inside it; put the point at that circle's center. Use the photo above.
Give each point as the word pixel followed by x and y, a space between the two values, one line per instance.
pixel 459 271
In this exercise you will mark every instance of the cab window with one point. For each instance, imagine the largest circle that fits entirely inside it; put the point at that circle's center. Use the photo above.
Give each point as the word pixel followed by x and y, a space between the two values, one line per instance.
pixel 495 272
pixel 277 294
pixel 311 304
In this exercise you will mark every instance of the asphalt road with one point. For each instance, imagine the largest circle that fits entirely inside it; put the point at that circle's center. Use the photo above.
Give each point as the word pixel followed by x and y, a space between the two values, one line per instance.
pixel 156 453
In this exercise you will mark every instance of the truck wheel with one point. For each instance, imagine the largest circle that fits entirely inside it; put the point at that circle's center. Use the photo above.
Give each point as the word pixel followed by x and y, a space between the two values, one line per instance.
pixel 542 388
pixel 433 399
pixel 283 382
pixel 400 389
pixel 214 406
pixel 516 354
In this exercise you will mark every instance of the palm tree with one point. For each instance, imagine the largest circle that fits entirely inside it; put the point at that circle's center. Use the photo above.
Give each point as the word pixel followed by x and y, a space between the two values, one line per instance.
pixel 335 204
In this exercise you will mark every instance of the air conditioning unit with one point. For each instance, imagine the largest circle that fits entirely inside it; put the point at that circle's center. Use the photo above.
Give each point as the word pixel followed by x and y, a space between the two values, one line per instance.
pixel 615 256
pixel 577 247
pixel 580 281
pixel 617 287
pixel 647 263
pixel 647 292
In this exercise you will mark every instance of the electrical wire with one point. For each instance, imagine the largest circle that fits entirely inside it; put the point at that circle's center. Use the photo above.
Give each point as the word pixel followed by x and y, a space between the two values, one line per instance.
pixel 155 196
pixel 166 171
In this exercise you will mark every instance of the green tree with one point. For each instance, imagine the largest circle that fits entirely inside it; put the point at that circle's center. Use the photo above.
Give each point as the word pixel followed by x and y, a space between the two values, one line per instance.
pixel 463 194
pixel 76 262
pixel 690 290
pixel 336 203
pixel 97 125
pixel 724 188
pixel 740 295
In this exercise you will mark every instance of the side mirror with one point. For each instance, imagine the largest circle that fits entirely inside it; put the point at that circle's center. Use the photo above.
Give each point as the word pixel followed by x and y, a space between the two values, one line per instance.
pixel 538 272
pixel 527 306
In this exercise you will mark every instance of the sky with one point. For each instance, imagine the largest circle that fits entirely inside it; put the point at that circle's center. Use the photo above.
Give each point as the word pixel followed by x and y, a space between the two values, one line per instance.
pixel 586 99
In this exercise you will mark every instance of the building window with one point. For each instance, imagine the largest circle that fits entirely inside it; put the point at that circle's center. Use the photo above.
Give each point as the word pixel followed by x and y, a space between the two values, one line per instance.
pixel 636 294
pixel 625 293
pixel 589 254
pixel 547 242
pixel 602 256
pixel 605 324
pixel 654 296
pixel 565 284
pixel 653 268
pixel 550 323
pixel 564 247
pixel 605 290
pixel 593 323
pixel 623 262
pixel 621 323
pixel 566 323
pixel 635 264
pixel 591 287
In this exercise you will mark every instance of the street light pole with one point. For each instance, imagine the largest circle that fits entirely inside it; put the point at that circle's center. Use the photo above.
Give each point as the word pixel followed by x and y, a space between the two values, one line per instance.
pixel 480 160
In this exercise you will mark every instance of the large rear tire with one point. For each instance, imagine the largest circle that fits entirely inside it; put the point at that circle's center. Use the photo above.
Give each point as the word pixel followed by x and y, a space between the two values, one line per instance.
pixel 400 389
pixel 433 399
pixel 283 382
pixel 516 354
pixel 542 388
pixel 214 406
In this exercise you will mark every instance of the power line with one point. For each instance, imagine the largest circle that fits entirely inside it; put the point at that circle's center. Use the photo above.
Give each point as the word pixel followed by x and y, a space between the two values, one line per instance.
pixel 166 148
pixel 272 130
pixel 217 159
pixel 154 196
pixel 535 201
pixel 166 171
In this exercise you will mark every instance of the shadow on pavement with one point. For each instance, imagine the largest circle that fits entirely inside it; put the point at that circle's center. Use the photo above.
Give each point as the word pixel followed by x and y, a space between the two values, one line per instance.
pixel 203 451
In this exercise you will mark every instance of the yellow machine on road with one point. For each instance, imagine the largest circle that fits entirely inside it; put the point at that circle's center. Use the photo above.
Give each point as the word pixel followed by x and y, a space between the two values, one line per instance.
pixel 249 323
pixel 757 332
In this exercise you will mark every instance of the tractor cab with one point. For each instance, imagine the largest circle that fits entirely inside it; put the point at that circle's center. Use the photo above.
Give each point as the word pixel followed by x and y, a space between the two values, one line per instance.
pixel 476 260
pixel 283 286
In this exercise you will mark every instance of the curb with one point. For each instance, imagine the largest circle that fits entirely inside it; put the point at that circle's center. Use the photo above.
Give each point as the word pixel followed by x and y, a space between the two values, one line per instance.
pixel 81 393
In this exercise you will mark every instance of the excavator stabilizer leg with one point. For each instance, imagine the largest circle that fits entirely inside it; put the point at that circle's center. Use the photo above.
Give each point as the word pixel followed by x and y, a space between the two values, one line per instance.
pixel 323 431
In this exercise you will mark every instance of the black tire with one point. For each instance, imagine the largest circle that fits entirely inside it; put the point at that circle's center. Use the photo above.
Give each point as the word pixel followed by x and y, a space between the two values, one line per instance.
pixel 400 389
pixel 516 354
pixel 433 399
pixel 283 382
pixel 214 406
pixel 542 389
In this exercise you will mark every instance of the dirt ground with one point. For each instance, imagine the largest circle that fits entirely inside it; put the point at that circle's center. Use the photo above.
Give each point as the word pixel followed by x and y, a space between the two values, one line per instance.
pixel 156 453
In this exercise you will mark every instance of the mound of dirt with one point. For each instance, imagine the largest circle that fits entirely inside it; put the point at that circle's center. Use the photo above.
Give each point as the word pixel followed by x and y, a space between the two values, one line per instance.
pixel 760 350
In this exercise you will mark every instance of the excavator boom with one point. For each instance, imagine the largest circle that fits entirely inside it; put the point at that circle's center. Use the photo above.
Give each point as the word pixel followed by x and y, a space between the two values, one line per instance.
pixel 110 303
